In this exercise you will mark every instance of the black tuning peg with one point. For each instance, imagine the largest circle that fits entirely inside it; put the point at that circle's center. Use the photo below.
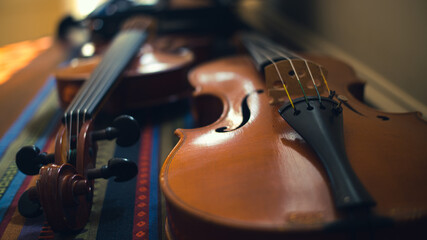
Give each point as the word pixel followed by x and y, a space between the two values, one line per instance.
pixel 121 168
pixel 29 205
pixel 124 128
pixel 29 160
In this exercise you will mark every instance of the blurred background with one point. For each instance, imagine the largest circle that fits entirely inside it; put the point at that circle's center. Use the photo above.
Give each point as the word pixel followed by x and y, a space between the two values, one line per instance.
pixel 383 40
pixel 27 20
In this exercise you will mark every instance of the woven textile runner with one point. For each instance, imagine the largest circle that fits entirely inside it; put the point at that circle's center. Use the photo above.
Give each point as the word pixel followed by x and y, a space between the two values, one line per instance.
pixel 130 210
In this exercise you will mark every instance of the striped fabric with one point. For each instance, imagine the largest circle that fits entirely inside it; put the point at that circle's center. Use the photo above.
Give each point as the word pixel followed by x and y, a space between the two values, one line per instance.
pixel 130 210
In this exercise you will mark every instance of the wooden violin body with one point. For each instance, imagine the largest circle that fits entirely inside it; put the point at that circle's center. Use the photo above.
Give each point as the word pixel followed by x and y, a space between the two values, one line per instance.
pixel 153 77
pixel 64 189
pixel 249 175
pixel 157 75
pixel 115 82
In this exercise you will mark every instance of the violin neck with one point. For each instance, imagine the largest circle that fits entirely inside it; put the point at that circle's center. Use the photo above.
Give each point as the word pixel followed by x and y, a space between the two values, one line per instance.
pixel 105 77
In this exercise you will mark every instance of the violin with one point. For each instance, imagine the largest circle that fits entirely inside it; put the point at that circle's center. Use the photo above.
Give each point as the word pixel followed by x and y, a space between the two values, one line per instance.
pixel 287 150
pixel 64 189
pixel 170 55
pixel 155 76
pixel 113 81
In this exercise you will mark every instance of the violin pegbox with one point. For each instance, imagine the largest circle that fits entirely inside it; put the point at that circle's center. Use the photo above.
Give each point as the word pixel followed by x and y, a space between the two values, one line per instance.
pixel 64 190
pixel 297 75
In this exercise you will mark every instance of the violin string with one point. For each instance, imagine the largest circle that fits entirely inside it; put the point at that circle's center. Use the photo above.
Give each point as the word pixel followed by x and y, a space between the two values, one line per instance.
pixel 105 69
pixel 67 128
pixel 312 79
pixel 260 51
pixel 93 82
pixel 74 107
pixel 136 26
pixel 103 72
pixel 134 31
pixel 318 65
pixel 92 85
pixel 267 45
pixel 96 79
pixel 286 51
pixel 112 71
pixel 296 76
pixel 69 116
pixel 77 127
pixel 69 136
pixel 309 70
pixel 281 79
pixel 324 79
pixel 131 42
pixel 254 51
pixel 84 89
pixel 276 49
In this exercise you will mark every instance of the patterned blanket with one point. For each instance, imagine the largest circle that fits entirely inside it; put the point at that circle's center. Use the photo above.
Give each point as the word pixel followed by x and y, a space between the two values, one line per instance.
pixel 130 210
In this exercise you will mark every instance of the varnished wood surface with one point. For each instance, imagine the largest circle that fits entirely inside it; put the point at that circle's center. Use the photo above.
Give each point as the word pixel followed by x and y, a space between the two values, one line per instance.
pixel 262 179
pixel 155 76
pixel 21 88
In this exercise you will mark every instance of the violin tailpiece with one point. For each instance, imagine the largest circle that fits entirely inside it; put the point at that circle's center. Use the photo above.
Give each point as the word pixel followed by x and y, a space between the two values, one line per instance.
pixel 321 126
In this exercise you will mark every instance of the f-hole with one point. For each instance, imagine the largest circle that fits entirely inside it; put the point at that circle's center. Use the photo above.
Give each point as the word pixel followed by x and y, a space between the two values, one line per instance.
pixel 246 112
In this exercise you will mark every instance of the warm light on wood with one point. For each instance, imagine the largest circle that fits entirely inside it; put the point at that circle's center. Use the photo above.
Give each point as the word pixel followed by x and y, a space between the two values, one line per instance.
pixel 21 53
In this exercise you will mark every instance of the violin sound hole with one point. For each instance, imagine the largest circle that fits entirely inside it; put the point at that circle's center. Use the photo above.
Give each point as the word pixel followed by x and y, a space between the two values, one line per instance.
pixel 246 112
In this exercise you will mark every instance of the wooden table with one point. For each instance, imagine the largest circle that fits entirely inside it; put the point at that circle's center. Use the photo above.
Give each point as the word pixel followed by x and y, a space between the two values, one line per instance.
pixel 19 86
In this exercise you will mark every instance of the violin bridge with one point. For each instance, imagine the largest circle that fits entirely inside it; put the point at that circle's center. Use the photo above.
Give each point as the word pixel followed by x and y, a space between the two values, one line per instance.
pixel 297 74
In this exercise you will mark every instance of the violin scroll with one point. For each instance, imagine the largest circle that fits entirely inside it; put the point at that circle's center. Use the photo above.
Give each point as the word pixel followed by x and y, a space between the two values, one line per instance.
pixel 64 190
